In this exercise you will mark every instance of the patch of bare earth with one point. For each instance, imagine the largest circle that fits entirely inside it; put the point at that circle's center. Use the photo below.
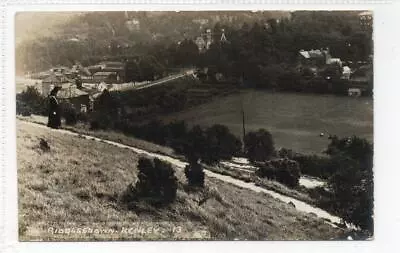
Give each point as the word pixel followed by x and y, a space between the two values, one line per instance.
pixel 78 184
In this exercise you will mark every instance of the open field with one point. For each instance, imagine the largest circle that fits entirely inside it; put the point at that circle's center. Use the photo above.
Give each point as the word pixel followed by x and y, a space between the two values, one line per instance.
pixel 81 181
pixel 295 120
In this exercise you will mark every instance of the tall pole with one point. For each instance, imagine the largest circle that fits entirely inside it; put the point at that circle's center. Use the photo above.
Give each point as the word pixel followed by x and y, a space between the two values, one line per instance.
pixel 243 124
pixel 242 111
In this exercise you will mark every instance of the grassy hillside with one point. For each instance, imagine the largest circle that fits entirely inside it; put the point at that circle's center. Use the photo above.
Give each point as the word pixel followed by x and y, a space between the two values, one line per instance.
pixel 79 182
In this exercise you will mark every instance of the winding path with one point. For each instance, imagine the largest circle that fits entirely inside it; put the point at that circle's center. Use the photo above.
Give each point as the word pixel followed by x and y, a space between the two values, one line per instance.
pixel 299 205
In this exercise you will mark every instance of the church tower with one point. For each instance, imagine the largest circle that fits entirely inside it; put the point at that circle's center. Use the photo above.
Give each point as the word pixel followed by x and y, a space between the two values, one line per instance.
pixel 209 39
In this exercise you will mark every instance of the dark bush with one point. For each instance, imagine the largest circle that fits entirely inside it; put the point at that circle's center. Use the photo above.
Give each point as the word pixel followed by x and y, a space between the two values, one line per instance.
pixel 194 174
pixel 26 111
pixel 351 181
pixel 210 146
pixel 313 165
pixel 291 81
pixel 270 75
pixel 107 103
pixel 94 125
pixel 194 144
pixel 31 101
pixel 352 185
pixel 259 145
pixel 176 132
pixel 285 153
pixel 321 194
pixel 23 109
pixel 155 132
pixel 156 183
pixel 354 147
pixel 82 117
pixel 101 121
pixel 282 170
pixel 70 115
pixel 220 145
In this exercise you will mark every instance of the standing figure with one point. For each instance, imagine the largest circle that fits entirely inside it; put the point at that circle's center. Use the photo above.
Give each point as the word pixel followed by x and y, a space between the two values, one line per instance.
pixel 54 110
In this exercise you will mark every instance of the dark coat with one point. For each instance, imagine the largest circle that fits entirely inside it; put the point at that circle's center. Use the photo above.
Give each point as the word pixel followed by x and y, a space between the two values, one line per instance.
pixel 54 113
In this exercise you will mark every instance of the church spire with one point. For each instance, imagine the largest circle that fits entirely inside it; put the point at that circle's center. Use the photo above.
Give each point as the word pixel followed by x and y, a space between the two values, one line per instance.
pixel 223 37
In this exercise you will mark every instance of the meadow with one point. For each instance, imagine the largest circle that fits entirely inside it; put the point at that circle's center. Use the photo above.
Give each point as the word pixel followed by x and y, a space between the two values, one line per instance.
pixel 295 120
pixel 80 182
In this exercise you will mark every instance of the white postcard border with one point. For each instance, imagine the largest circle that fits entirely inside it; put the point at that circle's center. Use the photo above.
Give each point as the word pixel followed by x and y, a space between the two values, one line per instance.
pixel 386 132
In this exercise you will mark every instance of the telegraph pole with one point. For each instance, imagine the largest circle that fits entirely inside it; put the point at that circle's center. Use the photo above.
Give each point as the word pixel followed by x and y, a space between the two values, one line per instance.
pixel 243 125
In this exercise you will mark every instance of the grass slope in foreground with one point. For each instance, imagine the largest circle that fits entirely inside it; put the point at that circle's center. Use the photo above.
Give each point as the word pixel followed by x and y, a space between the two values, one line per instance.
pixel 78 184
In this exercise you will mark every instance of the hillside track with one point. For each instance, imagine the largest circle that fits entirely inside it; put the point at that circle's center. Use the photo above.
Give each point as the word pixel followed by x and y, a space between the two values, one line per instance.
pixel 299 205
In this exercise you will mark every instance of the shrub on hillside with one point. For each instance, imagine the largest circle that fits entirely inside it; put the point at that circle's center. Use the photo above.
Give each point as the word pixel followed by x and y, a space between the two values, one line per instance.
pixel 354 147
pixel 259 146
pixel 351 181
pixel 220 144
pixel 70 114
pixel 313 165
pixel 194 174
pixel 99 121
pixel 285 153
pixel 157 183
pixel 31 101
pixel 210 145
pixel 107 110
pixel 194 144
pixel 94 125
pixel 82 116
pixel 177 131
pixel 155 132
pixel 107 102
pixel 23 109
pixel 282 170
pixel 352 185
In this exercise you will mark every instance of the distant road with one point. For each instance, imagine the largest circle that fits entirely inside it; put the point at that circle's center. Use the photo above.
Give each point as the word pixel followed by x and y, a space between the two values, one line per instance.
pixel 143 85
pixel 22 82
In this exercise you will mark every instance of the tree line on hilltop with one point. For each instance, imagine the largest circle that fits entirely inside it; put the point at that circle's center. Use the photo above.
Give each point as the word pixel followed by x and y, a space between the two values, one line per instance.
pixel 251 47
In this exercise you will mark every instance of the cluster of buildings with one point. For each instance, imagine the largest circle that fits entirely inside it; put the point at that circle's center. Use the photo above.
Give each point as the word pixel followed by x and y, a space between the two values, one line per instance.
pixel 69 92
pixel 107 72
pixel 365 19
pixel 317 58
pixel 70 81
pixel 359 74
pixel 132 24
pixel 207 38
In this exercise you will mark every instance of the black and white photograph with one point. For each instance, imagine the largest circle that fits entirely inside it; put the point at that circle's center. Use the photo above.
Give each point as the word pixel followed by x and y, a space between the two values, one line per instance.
pixel 209 125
